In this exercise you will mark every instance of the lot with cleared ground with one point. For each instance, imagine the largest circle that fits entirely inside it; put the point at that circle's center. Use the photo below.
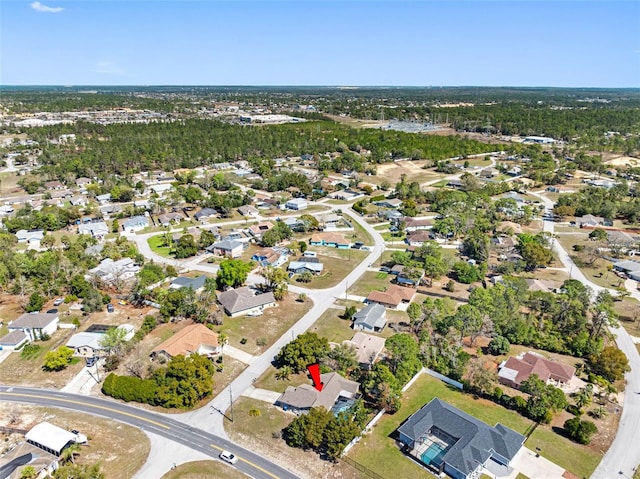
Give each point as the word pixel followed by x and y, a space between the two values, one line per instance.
pixel 261 434
pixel 119 449
pixel 204 470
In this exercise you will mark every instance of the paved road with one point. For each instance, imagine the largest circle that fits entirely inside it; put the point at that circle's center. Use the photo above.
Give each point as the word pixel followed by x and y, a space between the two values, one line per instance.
pixel 624 454
pixel 322 300
pixel 249 463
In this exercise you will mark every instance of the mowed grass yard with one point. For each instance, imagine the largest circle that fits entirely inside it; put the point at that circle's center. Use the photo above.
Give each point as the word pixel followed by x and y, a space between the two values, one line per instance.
pixel 119 449
pixel 378 450
pixel 204 470
pixel 156 243
pixel 371 281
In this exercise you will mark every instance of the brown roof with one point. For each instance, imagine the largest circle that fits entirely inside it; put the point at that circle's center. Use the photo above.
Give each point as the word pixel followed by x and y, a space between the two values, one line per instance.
pixel 329 237
pixel 419 236
pixel 367 346
pixel 534 364
pixel 188 340
pixel 393 295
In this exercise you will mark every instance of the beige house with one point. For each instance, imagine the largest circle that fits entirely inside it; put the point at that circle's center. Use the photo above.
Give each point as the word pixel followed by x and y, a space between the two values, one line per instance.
pixel 195 338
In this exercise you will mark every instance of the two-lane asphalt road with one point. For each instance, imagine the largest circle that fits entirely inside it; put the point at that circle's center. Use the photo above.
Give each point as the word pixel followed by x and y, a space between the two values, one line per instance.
pixel 249 463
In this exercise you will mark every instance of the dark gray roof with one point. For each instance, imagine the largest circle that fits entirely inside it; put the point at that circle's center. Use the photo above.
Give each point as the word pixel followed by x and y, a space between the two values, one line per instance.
pixel 242 299
pixel 205 212
pixel 476 440
pixel 13 338
pixel 193 283
pixel 228 245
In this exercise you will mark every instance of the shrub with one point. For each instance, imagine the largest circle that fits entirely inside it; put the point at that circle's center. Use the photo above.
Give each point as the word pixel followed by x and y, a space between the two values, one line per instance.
pixel 499 345
pixel 580 431
pixel 450 286
pixel 261 342
pixel 57 360
pixel 254 412
pixel 243 341
pixel 30 350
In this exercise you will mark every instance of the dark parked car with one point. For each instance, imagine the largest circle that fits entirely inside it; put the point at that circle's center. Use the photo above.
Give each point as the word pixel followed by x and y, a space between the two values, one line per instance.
pixel 110 308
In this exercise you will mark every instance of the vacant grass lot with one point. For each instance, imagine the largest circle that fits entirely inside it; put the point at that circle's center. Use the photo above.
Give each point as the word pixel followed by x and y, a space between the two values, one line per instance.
pixel 119 449
pixel 331 326
pixel 629 311
pixel 378 451
pixel 270 326
pixel 204 470
pixel 371 281
pixel 156 244
pixel 269 381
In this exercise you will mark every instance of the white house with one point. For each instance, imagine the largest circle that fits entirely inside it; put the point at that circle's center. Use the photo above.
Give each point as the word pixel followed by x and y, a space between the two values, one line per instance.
pixel 97 229
pixel 296 204
pixel 135 223
pixel 109 271
pixel 32 237
pixel 36 325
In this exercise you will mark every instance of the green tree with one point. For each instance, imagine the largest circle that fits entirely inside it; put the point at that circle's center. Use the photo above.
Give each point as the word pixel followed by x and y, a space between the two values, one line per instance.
pixel 36 302
pixel 28 472
pixel 598 234
pixel 78 471
pixel 611 363
pixel 57 360
pixel 342 358
pixel 580 431
pixel 186 247
pixel 233 273
pixel 307 348
pixel 499 346
pixel 113 340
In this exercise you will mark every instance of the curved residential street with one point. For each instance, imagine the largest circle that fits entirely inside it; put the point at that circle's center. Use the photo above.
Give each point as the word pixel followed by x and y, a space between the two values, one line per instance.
pixel 211 445
pixel 624 454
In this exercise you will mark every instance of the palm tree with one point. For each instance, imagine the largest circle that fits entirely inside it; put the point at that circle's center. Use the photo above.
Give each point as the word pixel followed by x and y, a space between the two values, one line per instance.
pixel 69 453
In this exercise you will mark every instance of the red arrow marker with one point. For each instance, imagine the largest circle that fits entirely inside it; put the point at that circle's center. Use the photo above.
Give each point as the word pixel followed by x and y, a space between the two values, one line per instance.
pixel 314 370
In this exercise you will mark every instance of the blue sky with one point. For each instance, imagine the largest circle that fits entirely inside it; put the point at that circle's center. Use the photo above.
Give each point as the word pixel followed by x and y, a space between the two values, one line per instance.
pixel 331 42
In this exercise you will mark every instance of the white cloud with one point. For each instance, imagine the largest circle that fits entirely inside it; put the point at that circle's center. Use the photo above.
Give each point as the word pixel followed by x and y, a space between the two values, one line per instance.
pixel 39 7
pixel 110 68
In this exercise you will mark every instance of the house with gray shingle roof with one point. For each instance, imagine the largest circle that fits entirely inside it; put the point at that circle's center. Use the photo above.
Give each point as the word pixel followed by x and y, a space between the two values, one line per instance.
pixel 227 248
pixel 241 301
pixel 196 284
pixel 35 325
pixel 337 394
pixel 371 318
pixel 450 441
pixel 135 223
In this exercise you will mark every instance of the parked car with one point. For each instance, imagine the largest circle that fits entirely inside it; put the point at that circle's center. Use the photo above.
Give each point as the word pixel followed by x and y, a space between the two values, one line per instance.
pixel 228 457
pixel 58 302
pixel 110 308
pixel 91 361
pixel 52 311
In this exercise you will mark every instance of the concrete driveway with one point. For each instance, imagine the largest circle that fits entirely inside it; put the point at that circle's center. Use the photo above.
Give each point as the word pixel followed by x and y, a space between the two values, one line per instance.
pixel 531 466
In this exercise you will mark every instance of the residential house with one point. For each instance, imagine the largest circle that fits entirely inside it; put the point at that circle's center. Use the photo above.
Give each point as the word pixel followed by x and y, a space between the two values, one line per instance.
pixel 455 184
pixel 393 203
pixel 110 271
pixel 196 284
pixel 368 348
pixel 53 185
pixel 489 173
pixel 86 344
pixel 205 214
pixel 14 340
pixel 331 220
pixel 296 224
pixel 630 268
pixel 227 248
pixel 193 339
pixel 258 230
pixel 104 199
pixel 332 240
pixel 83 182
pixel 136 223
pixel 35 325
pixel 31 237
pixel 78 201
pixel 344 195
pixel 543 285
pixel 589 221
pixel 392 297
pixel 161 188
pixel 167 219
pixel 306 264
pixel 371 318
pixel 269 257
pixel 241 301
pixel 296 204
pixel 620 239
pixel 97 229
pixel 519 368
pixel 336 395
pixel 560 189
pixel 248 210
pixel 416 224
pixel 418 238
pixel 450 441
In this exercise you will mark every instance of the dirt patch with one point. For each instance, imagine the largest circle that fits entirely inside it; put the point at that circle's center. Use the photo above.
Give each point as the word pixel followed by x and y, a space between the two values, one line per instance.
pixel 623 161
pixel 413 169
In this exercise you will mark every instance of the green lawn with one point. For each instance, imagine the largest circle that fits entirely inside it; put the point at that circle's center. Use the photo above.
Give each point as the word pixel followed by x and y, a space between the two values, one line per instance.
pixel 370 281
pixel 338 263
pixel 377 450
pixel 332 327
pixel 269 381
pixel 383 227
pixel 156 245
